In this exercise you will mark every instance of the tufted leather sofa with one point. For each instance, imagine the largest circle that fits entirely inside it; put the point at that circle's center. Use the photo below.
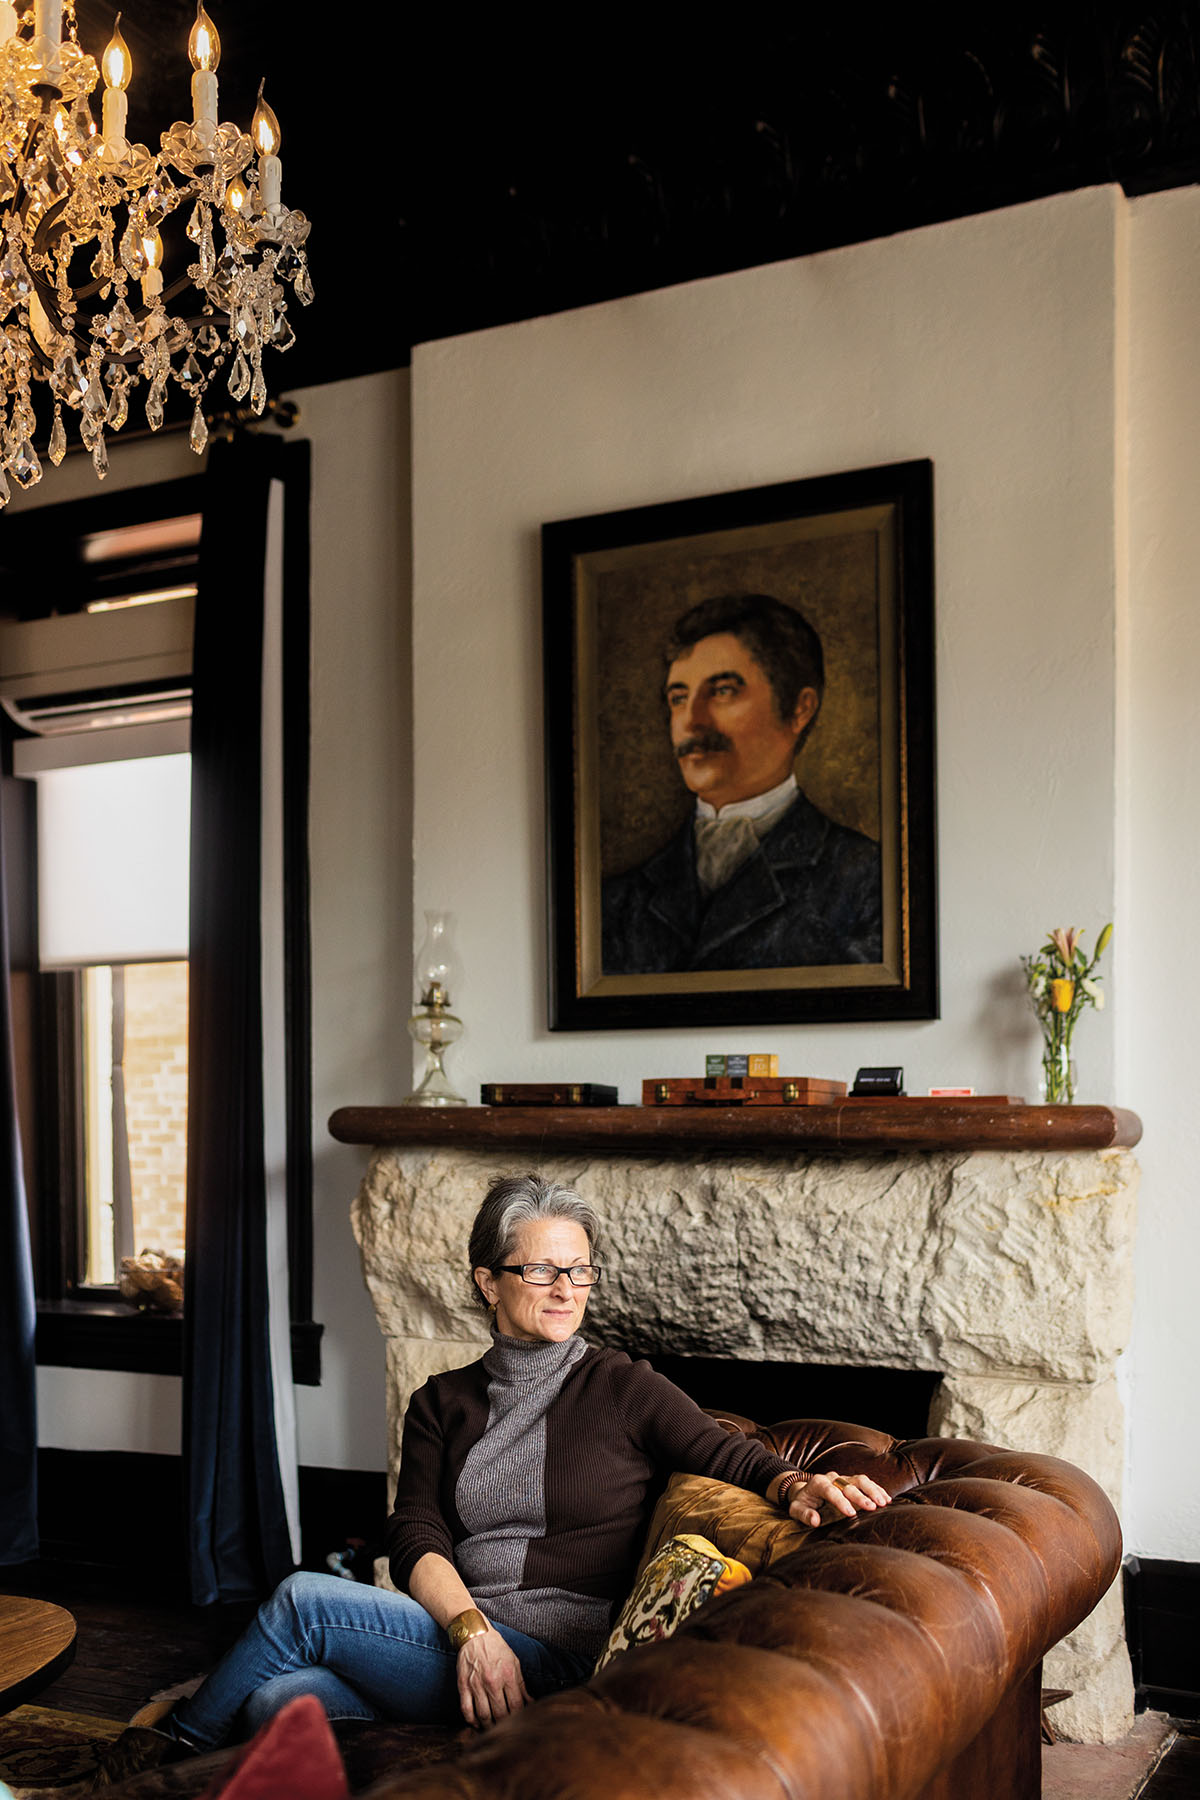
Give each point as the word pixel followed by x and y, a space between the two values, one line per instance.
pixel 896 1656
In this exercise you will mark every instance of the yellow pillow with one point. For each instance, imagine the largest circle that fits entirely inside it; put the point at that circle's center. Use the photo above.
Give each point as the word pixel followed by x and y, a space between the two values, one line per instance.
pixel 740 1524
pixel 686 1572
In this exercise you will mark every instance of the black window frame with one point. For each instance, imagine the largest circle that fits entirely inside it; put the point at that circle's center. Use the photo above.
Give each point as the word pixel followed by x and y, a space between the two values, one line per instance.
pixel 91 1327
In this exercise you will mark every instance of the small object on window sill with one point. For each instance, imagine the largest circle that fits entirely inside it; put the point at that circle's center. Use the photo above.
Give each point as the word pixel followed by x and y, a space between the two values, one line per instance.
pixel 152 1282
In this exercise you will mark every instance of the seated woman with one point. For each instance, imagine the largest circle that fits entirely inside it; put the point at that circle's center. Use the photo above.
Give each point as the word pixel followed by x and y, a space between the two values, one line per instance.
pixel 522 1503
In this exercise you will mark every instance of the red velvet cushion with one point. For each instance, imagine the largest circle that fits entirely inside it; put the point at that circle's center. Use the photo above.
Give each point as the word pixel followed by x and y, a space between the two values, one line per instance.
pixel 295 1754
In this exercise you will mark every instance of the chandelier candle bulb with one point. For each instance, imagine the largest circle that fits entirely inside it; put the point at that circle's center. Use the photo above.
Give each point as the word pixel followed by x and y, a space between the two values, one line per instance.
pixel 204 43
pixel 8 21
pixel 264 129
pixel 117 67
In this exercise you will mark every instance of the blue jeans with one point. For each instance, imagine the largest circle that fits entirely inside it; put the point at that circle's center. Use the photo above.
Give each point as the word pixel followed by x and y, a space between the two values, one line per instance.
pixel 364 1652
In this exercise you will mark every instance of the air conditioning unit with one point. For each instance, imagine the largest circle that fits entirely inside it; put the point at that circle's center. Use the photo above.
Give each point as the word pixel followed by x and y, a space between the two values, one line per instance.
pixel 96 670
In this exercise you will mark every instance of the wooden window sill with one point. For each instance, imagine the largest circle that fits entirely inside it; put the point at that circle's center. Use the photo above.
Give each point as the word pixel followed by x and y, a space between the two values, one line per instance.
pixel 104 1334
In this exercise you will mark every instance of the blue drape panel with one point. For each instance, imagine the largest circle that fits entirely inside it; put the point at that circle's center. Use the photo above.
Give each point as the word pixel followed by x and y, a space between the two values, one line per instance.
pixel 18 1318
pixel 239 1543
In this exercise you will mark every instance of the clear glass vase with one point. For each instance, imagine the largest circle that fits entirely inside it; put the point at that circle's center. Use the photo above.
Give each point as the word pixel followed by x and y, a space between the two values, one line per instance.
pixel 1058 1069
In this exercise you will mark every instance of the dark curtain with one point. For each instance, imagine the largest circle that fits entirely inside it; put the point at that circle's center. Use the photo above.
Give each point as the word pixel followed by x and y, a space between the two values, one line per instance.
pixel 18 1318
pixel 239 1540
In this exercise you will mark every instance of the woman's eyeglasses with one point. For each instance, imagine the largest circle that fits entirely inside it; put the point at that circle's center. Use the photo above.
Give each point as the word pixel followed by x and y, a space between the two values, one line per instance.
pixel 546 1274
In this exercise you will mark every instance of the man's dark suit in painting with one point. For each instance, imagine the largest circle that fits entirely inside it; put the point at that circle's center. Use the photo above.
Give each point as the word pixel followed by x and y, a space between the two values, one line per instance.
pixel 810 894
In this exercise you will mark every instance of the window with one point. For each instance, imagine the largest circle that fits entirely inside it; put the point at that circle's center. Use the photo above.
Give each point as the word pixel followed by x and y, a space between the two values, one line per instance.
pixel 96 609
pixel 112 907
pixel 134 1027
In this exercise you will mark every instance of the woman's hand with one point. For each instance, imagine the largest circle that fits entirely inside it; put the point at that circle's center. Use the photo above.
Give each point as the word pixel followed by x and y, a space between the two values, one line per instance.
pixel 846 1494
pixel 490 1682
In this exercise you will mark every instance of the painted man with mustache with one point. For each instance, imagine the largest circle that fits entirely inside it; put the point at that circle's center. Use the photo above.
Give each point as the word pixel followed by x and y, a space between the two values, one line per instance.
pixel 758 877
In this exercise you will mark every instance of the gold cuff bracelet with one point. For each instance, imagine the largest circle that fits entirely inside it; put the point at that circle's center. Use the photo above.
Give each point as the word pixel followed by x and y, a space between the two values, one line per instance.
pixel 467 1625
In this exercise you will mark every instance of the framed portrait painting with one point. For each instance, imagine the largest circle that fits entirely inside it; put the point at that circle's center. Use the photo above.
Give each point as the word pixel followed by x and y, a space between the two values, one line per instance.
pixel 740 757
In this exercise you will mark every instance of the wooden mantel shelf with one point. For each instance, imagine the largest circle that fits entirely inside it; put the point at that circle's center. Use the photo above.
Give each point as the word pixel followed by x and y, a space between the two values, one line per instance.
pixel 862 1125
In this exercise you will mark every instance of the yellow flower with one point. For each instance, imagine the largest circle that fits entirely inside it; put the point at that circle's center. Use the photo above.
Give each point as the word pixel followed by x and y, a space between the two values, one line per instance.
pixel 1063 992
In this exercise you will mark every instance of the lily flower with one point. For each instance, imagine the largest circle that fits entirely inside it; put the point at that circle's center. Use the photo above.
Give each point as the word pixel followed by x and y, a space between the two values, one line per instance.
pixel 1064 939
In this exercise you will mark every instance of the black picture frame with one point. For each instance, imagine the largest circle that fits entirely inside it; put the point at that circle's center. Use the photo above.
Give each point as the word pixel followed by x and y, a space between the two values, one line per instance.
pixel 854 552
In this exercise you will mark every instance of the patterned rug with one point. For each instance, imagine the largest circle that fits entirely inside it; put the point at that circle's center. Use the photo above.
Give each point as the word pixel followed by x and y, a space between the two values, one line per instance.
pixel 40 1746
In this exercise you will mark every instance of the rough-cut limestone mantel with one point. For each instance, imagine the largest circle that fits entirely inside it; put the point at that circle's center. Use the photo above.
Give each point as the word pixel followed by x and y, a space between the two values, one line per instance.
pixel 1001 1255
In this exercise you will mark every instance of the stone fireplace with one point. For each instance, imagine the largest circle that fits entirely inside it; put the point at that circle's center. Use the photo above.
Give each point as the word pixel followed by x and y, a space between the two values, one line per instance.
pixel 1006 1269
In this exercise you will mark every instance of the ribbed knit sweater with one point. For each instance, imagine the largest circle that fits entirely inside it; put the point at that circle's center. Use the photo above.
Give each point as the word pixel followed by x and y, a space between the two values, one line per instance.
pixel 532 1471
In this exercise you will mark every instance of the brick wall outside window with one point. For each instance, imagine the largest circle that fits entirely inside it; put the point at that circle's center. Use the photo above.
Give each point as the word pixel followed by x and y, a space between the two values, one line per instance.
pixel 156 1027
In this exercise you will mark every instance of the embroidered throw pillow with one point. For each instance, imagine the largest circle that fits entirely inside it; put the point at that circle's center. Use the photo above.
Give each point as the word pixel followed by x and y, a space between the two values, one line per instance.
pixel 685 1573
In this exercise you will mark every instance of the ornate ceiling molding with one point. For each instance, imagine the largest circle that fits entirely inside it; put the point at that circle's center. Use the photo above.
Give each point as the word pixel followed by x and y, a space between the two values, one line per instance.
pixel 665 162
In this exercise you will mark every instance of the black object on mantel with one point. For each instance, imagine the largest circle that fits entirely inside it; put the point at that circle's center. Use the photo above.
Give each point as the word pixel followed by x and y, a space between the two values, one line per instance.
pixel 547 1093
pixel 878 1084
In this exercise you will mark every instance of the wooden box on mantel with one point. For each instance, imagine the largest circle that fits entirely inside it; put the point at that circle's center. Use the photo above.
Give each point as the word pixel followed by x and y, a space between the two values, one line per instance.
pixel 741 1090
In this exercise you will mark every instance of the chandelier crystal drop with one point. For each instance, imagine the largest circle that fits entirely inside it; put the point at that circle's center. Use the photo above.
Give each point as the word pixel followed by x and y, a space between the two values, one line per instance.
pixel 84 304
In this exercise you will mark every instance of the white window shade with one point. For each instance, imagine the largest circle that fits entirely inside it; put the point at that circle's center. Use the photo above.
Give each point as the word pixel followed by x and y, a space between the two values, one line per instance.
pixel 113 862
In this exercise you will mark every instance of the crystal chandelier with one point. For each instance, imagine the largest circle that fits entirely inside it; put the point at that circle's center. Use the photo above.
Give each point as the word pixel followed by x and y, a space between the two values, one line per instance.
pixel 83 305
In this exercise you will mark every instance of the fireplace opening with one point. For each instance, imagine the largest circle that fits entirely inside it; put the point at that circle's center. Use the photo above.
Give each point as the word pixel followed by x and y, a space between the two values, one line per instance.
pixel 892 1400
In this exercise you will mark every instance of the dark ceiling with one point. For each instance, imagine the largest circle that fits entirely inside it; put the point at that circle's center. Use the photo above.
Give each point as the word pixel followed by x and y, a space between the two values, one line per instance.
pixel 486 167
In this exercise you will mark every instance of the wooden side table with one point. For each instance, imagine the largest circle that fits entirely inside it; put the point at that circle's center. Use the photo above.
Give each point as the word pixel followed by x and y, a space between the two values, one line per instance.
pixel 37 1642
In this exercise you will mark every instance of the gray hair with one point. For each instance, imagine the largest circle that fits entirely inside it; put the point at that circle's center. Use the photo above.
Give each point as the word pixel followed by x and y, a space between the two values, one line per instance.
pixel 515 1200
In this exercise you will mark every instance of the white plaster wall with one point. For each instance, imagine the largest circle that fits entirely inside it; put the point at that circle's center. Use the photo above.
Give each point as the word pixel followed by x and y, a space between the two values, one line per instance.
pixel 1160 967
pixel 989 345
pixel 360 835
pixel 106 1409
pixel 360 825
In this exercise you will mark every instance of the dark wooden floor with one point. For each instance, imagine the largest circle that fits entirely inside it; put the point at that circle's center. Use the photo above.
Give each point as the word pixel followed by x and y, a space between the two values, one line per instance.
pixel 133 1641
pixel 1177 1776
